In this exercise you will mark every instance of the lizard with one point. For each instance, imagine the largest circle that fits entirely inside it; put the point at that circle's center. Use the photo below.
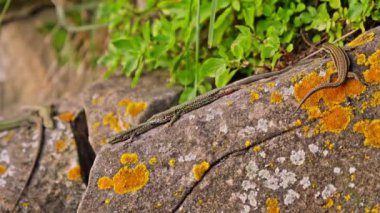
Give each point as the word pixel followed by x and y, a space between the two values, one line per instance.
pixel 172 114
pixel 342 64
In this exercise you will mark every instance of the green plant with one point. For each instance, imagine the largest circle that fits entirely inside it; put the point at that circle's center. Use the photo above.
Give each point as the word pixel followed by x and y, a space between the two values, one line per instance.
pixel 242 35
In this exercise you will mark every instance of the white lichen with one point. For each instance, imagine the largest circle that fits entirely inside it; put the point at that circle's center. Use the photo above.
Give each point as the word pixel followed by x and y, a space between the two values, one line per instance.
pixel 337 170
pixel 297 157
pixel 352 170
pixel 246 209
pixel 305 182
pixel 187 158
pixel 252 199
pixel 328 191
pixel 223 128
pixel 4 157
pixel 246 132
pixel 287 178
pixel 252 169
pixel 313 148
pixel 262 125
pixel 262 154
pixel 290 197
pixel 248 185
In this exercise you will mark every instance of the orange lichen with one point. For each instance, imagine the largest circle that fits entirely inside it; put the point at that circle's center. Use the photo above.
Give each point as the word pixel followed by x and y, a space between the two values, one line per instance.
pixel 3 169
pixel 375 101
pixel 130 180
pixel 364 106
pixel 254 96
pixel 74 173
pixel 172 162
pixel 111 120
pixel 336 119
pixel 124 102
pixel 66 116
pixel 105 183
pixel 129 158
pixel 153 160
pixel 257 148
pixel 372 75
pixel 276 98
pixel 360 58
pixel 200 169
pixel 247 143
pixel 361 39
pixel 272 205
pixel 331 96
pixel 329 203
pixel 371 131
pixel 135 108
pixel 60 146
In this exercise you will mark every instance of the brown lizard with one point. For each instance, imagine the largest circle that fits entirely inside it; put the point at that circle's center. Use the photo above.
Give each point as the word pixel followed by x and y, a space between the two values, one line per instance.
pixel 175 112
pixel 342 64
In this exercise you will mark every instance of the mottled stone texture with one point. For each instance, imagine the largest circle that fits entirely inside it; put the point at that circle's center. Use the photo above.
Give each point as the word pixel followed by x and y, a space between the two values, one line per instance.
pixel 261 158
pixel 103 97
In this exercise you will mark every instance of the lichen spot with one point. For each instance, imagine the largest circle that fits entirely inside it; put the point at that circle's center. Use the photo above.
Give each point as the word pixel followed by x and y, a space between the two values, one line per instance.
pixel 95 126
pixel 329 203
pixel 360 58
pixel 329 145
pixel 66 116
pixel 110 119
pixel 172 162
pixel 247 143
pixel 130 180
pixel 200 169
pixel 375 101
pixel 124 102
pixel 105 183
pixel 371 131
pixel 297 122
pixel 129 158
pixel 60 145
pixel 254 96
pixel 135 108
pixel 336 119
pixel 372 75
pixel 308 83
pixel 276 98
pixel 256 148
pixel 153 161
pixel 158 205
pixel 74 173
pixel 107 201
pixel 272 205
pixel 3 169
pixel 271 84
pixel 361 39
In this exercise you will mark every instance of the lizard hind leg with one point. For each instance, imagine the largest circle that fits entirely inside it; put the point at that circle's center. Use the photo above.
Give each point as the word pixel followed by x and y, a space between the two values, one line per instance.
pixel 356 76
pixel 174 118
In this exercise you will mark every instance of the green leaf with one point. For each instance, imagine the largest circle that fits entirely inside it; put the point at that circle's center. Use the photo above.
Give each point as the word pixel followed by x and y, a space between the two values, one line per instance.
pixel 212 67
pixel 354 11
pixel 146 31
pixel 236 5
pixel 187 94
pixel 275 58
pixel 129 63
pixel 138 73
pixel 223 78
pixel 249 15
pixel 335 4
pixel 185 77
pixel 300 7
pixel 289 48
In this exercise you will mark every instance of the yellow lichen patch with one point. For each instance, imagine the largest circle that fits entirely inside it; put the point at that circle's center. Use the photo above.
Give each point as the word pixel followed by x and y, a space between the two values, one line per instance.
pixel 272 205
pixel 314 112
pixel 130 180
pixel 351 88
pixel 271 84
pixel 329 203
pixel 129 158
pixel 371 131
pixel 254 96
pixel 172 162
pixel 329 145
pixel 136 108
pixel 66 116
pixel 360 58
pixel 339 208
pixel 361 39
pixel 153 160
pixel 3 169
pixel 95 126
pixel 60 146
pixel 353 178
pixel 375 101
pixel 200 169
pixel 257 148
pixel 247 143
pixel 276 98
pixel 7 138
pixel 336 119
pixel 375 209
pixel 297 122
pixel 364 106
pixel 111 120
pixel 158 205
pixel 105 183
pixel 103 141
pixel 74 173
pixel 107 201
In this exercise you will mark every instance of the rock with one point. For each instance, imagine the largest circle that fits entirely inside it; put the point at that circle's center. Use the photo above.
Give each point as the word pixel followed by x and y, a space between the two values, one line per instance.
pixel 248 152
pixel 112 105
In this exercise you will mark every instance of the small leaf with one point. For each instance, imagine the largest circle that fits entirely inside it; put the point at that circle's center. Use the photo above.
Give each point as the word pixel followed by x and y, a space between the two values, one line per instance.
pixel 212 67
pixel 187 94
pixel 335 4
pixel 224 77
pixel 289 48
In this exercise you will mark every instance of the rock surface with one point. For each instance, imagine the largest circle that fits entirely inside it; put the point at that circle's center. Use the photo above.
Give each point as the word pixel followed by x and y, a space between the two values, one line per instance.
pixel 249 152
